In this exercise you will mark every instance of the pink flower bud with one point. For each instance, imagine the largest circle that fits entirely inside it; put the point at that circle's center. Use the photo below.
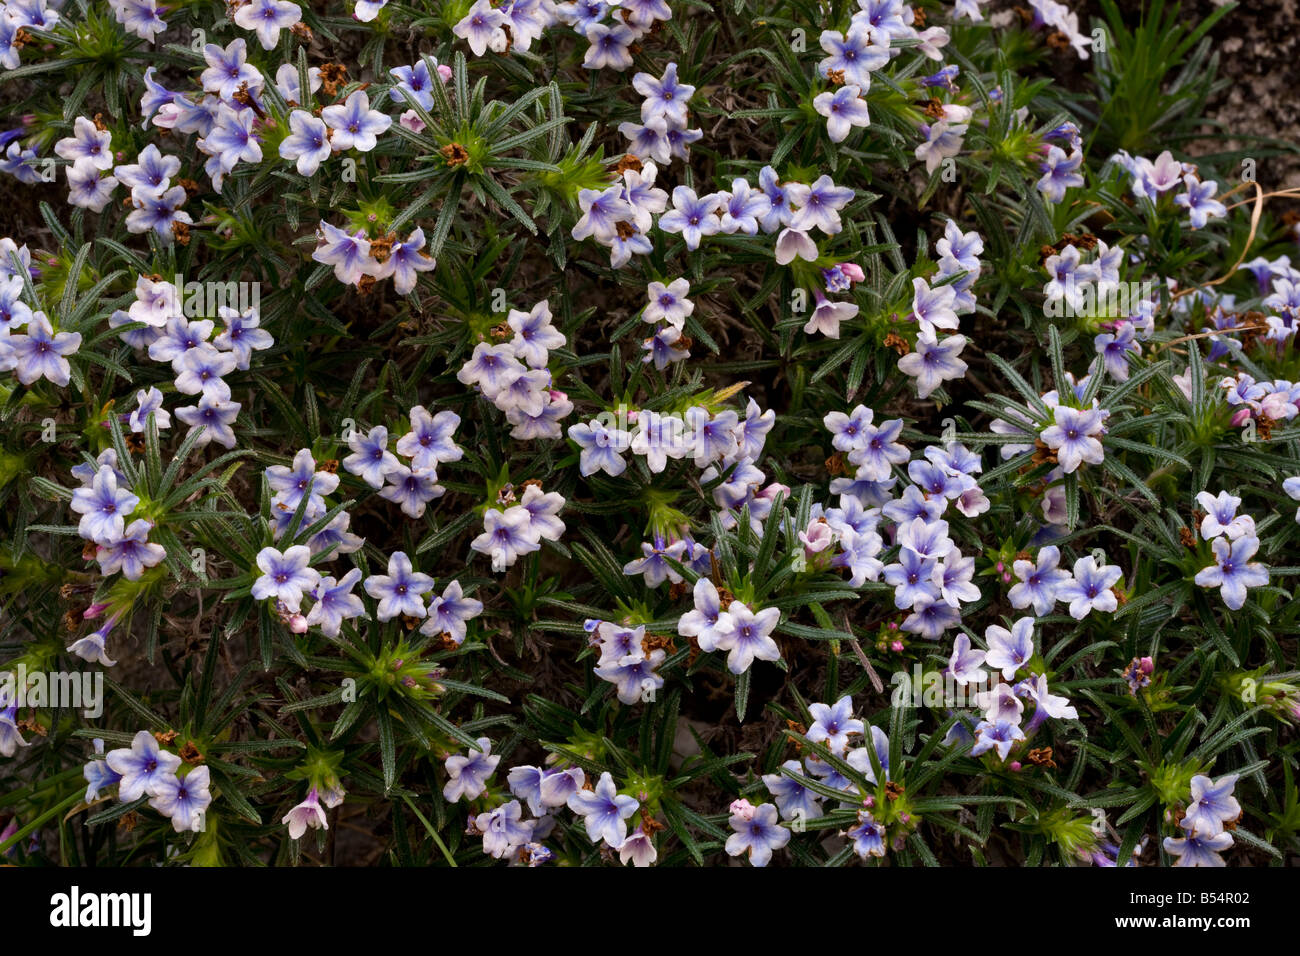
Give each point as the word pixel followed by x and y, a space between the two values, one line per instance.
pixel 742 808
pixel 1240 417
pixel 94 611
pixel 444 72
pixel 411 120
pixel 1014 766
pixel 896 647
pixel 1146 666
pixel 853 271
pixel 298 624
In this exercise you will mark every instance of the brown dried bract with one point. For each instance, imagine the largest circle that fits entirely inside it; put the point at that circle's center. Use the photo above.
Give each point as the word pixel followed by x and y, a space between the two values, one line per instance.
pixel 99 123
pixel 301 31
pixel 896 342
pixel 21 38
pixel 893 789
pixel 1120 597
pixel 332 76
pixel 725 598
pixel 244 98
pixel 191 187
pixel 501 332
pixel 624 229
pixel 128 821
pixel 1042 454
pixel 190 753
pixel 1264 427
pixel 628 162
pixel 835 464
pixel 455 154
pixel 330 466
pixel 1041 757
pixel 165 737
pixel 1058 40
pixel 836 77
pixel 932 108
pixel 1187 538
pixel 366 285
pixel 32 727
pixel 383 246
pixel 655 642
pixel 89 551
pixel 411 623
pixel 182 233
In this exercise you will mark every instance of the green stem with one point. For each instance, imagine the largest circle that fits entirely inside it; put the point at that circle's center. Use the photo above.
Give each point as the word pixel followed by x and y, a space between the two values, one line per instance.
pixel 436 839
pixel 53 811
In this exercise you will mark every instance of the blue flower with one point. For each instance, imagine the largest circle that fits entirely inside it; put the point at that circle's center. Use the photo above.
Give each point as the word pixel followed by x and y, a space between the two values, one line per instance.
pixel 1010 650
pixel 429 442
pixel 267 18
pixel 1060 172
pixel 103 507
pixel 1000 736
pixel 834 724
pixel 757 834
pixel 1212 805
pixel 1199 201
pixel 401 590
pixel 40 352
pixel 504 829
pixel 1193 850
pixel 184 799
pixel 934 362
pixel 1073 436
pixel 1233 571
pixel 911 577
pixel 693 216
pixel 665 99
pixel 449 613
pixel 468 775
pixel 843 109
pixel 1039 582
pixel 793 799
pixel 414 80
pixel 855 54
pixel 355 125
pixel 142 766
pixel 868 836
pixel 286 575
pixel 604 811
pixel 370 460
pixel 1091 588
pixel 602 448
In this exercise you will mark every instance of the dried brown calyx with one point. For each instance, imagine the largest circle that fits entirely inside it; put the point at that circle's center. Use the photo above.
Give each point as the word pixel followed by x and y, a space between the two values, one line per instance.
pixel 628 162
pixel 896 342
pixel 332 76
pixel 455 154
